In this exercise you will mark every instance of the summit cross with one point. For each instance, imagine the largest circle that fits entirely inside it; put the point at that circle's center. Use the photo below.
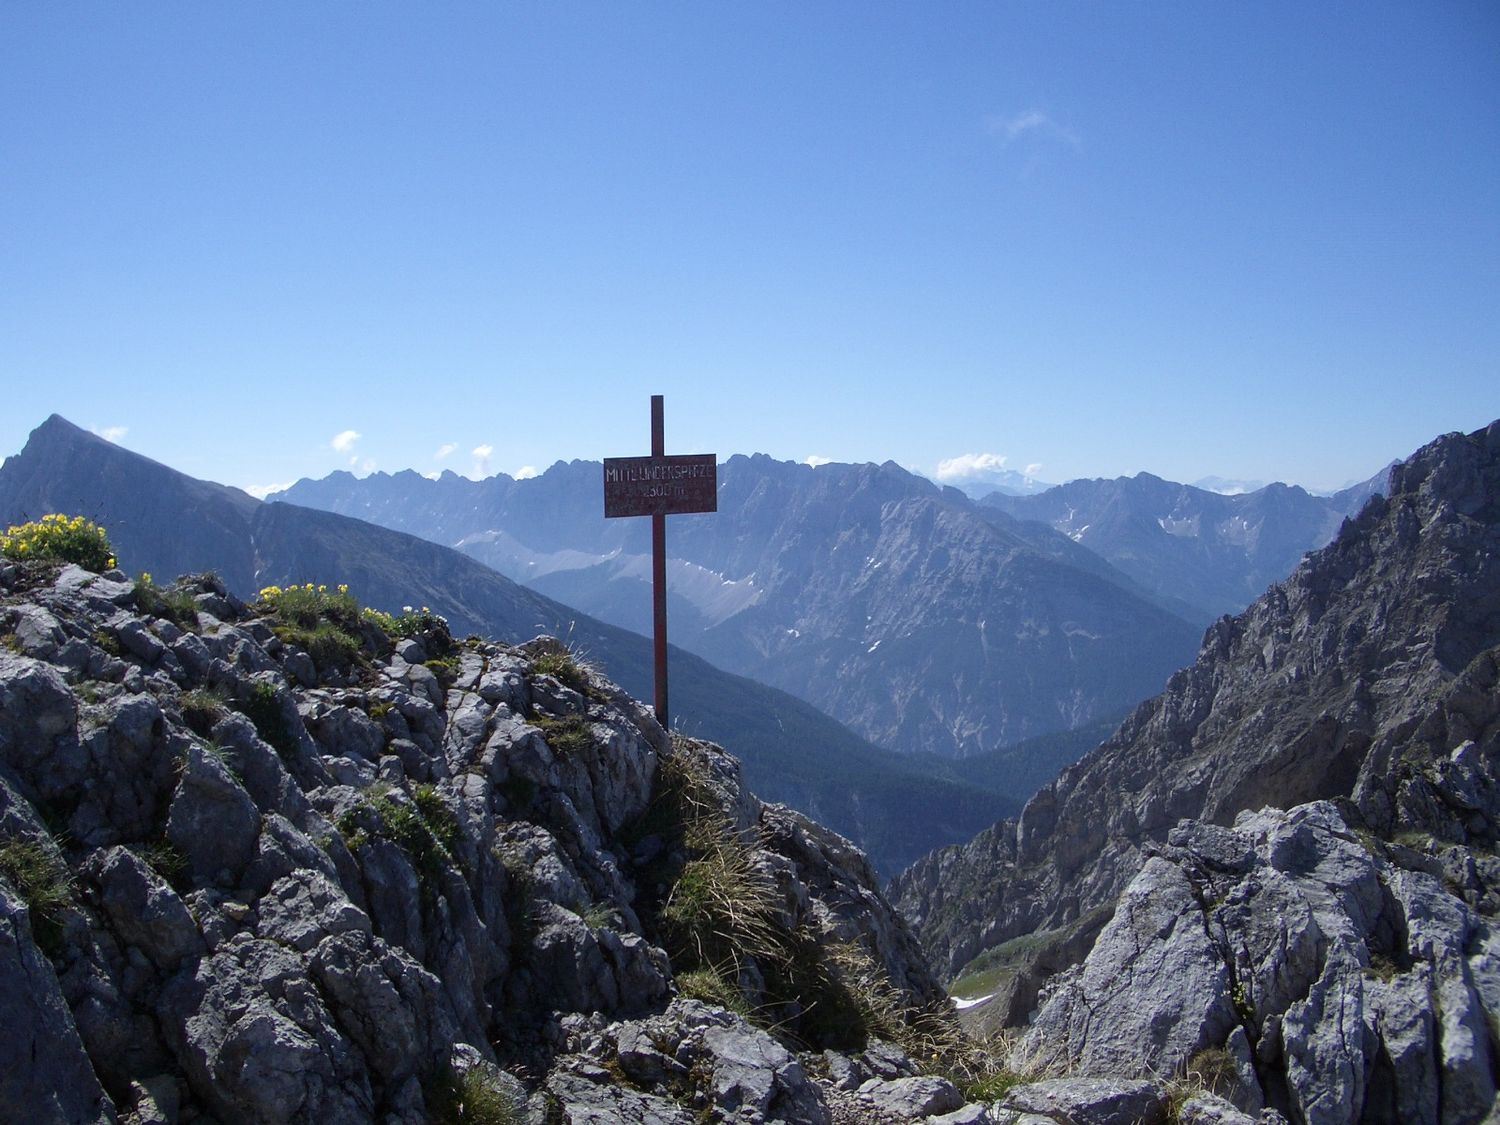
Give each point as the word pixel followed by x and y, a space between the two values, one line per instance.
pixel 660 486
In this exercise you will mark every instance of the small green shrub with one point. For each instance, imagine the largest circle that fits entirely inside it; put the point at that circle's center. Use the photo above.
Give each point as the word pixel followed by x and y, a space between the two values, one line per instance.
pixel 202 708
pixel 167 860
pixel 723 922
pixel 721 911
pixel 567 735
pixel 172 602
pixel 439 817
pixel 474 1099
pixel 408 623
pixel 445 668
pixel 59 538
pixel 599 916
pixel 108 642
pixel 992 1087
pixel 1239 995
pixel 426 830
pixel 323 622
pixel 562 667
pixel 263 708
pixel 1214 1069
pixel 980 1066
pixel 45 886
pixel 1210 1071
pixel 711 988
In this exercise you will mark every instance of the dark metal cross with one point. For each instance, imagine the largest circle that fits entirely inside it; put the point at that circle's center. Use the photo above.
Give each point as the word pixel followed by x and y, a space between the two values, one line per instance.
pixel 660 486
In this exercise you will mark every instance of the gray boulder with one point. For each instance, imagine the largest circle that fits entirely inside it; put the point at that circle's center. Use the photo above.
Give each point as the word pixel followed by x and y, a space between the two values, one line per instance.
pixel 257 1043
pixel 1154 990
pixel 911 1098
pixel 1329 976
pixel 1086 1101
pixel 212 819
pixel 145 912
pixel 590 1096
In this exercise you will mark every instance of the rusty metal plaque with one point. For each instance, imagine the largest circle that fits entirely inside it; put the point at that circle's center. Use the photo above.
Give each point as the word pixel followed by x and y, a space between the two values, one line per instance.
pixel 667 486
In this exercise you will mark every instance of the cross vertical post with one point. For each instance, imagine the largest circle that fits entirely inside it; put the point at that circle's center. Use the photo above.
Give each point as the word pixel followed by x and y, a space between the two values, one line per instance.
pixel 659 486
pixel 659 574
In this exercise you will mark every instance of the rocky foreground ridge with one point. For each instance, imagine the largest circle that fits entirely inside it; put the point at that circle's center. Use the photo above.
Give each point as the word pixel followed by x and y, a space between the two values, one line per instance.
pixel 255 871
pixel 1286 863
pixel 295 862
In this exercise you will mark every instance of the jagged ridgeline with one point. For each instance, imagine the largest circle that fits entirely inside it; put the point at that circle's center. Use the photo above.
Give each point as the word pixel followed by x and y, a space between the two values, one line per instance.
pixel 1283 870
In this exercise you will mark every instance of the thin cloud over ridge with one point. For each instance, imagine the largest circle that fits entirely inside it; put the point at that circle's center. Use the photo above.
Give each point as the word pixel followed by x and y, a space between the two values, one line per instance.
pixel 967 465
pixel 482 455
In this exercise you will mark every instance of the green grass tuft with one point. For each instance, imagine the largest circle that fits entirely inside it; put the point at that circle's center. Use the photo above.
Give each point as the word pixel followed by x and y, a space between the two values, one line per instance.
pixel 174 602
pixel 45 885
pixel 474 1099
pixel 567 735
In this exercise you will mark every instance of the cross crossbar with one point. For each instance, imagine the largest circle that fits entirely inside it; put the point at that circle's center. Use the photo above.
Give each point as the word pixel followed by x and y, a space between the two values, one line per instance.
pixel 659 486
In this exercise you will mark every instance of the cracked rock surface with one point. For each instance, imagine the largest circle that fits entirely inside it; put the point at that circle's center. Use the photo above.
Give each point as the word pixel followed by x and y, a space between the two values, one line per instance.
pixel 244 880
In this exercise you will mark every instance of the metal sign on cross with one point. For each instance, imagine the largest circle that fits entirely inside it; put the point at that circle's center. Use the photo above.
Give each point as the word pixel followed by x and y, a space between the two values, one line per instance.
pixel 660 486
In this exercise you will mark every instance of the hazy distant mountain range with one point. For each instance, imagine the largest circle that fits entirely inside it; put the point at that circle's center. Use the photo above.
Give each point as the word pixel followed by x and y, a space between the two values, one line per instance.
pixel 924 622
pixel 982 479
pixel 1215 551
pixel 162 521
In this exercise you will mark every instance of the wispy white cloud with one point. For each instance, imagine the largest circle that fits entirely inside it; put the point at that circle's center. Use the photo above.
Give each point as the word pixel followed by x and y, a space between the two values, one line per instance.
pixel 444 450
pixel 368 466
pixel 1014 126
pixel 261 491
pixel 814 460
pixel 482 455
pixel 1034 469
pixel 433 475
pixel 525 472
pixel 111 433
pixel 344 442
pixel 967 465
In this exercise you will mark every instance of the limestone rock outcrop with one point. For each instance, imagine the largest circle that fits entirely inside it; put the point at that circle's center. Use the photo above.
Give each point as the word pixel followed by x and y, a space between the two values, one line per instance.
pixel 1342 978
pixel 262 873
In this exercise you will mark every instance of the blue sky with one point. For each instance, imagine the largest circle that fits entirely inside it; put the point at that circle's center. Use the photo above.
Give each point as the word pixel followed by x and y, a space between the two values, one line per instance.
pixel 1256 240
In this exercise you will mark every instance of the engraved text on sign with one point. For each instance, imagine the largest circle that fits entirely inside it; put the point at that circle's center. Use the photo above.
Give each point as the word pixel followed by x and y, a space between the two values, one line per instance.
pixel 648 486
